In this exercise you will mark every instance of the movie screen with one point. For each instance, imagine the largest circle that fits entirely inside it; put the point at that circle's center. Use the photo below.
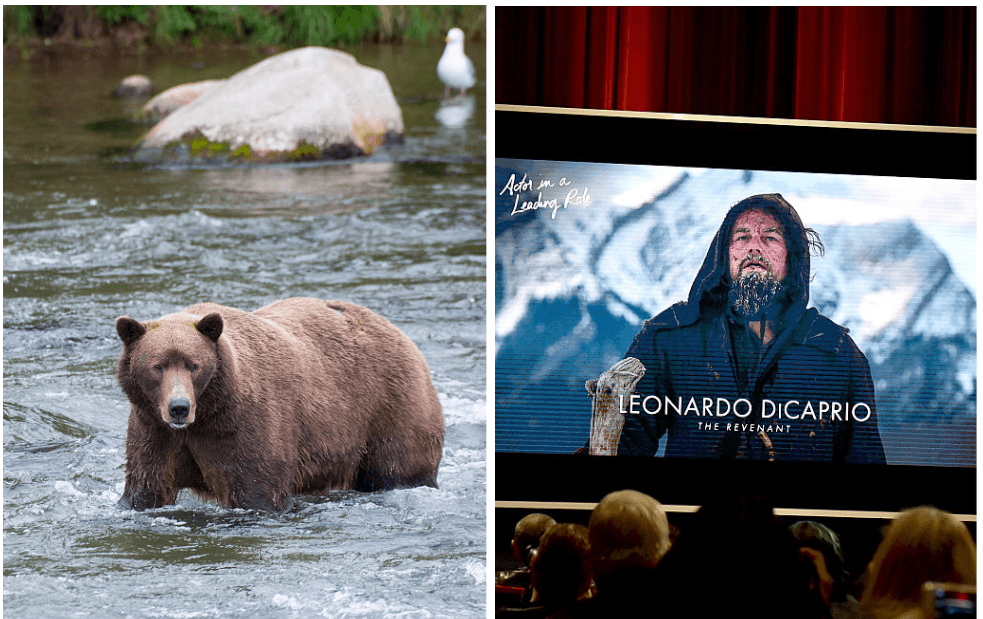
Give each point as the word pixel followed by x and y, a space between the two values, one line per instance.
pixel 736 314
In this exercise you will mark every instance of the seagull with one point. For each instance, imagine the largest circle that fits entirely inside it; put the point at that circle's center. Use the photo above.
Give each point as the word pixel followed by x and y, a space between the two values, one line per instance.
pixel 454 68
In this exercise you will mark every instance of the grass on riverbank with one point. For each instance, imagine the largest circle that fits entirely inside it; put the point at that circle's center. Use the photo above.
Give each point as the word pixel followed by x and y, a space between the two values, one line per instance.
pixel 143 26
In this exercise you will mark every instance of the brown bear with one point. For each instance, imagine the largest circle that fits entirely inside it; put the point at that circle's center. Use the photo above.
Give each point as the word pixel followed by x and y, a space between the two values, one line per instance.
pixel 299 397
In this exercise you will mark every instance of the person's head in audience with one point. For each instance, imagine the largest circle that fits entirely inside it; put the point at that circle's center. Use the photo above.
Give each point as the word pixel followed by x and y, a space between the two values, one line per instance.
pixel 528 532
pixel 921 544
pixel 736 558
pixel 561 569
pixel 825 551
pixel 627 529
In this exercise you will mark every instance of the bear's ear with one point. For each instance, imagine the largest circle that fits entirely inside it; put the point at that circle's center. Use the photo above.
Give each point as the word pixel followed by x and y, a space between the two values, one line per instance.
pixel 211 326
pixel 129 330
pixel 591 387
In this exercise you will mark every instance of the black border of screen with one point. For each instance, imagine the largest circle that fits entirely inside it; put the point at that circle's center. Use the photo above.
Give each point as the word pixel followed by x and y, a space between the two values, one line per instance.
pixel 757 144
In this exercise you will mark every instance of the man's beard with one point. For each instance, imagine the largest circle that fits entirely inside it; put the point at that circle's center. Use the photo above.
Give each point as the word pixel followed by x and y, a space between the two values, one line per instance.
pixel 753 292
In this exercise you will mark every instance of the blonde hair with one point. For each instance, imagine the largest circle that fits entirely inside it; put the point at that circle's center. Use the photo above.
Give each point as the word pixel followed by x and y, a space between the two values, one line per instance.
pixel 627 528
pixel 922 544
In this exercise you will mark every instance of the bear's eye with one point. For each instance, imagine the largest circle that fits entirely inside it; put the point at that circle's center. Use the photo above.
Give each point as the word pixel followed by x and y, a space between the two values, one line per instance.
pixel 195 367
pixel 158 368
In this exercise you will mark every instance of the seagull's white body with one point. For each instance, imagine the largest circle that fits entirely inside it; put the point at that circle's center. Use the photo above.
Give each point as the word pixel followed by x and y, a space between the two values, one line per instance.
pixel 454 68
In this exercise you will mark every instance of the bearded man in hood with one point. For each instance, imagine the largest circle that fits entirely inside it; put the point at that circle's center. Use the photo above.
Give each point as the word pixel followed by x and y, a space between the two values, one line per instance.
pixel 743 369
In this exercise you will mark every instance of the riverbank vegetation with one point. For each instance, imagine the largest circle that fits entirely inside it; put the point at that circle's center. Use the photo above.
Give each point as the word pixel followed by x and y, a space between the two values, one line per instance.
pixel 284 27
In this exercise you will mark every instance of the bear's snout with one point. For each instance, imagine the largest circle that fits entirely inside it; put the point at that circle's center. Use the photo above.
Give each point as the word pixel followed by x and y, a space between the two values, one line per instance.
pixel 179 409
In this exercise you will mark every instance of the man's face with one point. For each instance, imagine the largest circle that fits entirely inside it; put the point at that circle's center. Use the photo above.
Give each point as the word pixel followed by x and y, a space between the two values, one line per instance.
pixel 757 246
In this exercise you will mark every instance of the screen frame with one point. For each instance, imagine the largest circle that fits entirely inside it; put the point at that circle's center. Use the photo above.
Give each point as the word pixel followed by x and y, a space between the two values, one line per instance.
pixel 531 481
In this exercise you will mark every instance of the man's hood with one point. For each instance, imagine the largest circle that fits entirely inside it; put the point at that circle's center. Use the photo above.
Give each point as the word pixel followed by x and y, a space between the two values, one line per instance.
pixel 709 293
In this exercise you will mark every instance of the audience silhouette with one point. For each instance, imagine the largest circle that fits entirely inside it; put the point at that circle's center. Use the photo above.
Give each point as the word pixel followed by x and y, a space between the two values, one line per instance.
pixel 735 557
pixel 560 571
pixel 525 544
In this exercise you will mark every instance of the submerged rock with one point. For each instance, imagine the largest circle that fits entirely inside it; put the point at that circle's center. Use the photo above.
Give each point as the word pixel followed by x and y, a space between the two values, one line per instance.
pixel 308 103
pixel 134 86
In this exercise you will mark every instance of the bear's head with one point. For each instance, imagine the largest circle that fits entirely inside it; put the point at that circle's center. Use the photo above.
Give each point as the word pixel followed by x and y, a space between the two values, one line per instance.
pixel 167 364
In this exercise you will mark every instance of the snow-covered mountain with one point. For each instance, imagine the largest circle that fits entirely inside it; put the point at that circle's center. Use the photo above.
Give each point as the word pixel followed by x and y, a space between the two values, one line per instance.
pixel 574 284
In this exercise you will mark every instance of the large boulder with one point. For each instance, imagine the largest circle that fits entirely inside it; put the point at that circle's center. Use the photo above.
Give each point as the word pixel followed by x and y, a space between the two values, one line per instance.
pixel 308 103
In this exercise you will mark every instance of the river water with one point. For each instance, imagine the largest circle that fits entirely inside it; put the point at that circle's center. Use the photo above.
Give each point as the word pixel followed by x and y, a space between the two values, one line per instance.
pixel 89 237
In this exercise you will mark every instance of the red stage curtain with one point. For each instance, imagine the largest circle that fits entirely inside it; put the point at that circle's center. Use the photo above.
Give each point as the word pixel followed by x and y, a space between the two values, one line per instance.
pixel 911 65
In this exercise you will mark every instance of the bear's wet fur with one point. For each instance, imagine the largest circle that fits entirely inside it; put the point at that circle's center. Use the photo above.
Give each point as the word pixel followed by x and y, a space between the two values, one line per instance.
pixel 302 396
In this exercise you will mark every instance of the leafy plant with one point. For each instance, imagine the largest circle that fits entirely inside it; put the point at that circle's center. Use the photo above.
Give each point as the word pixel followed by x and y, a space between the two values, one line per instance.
pixel 18 21
pixel 171 22
pixel 328 25
pixel 114 14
